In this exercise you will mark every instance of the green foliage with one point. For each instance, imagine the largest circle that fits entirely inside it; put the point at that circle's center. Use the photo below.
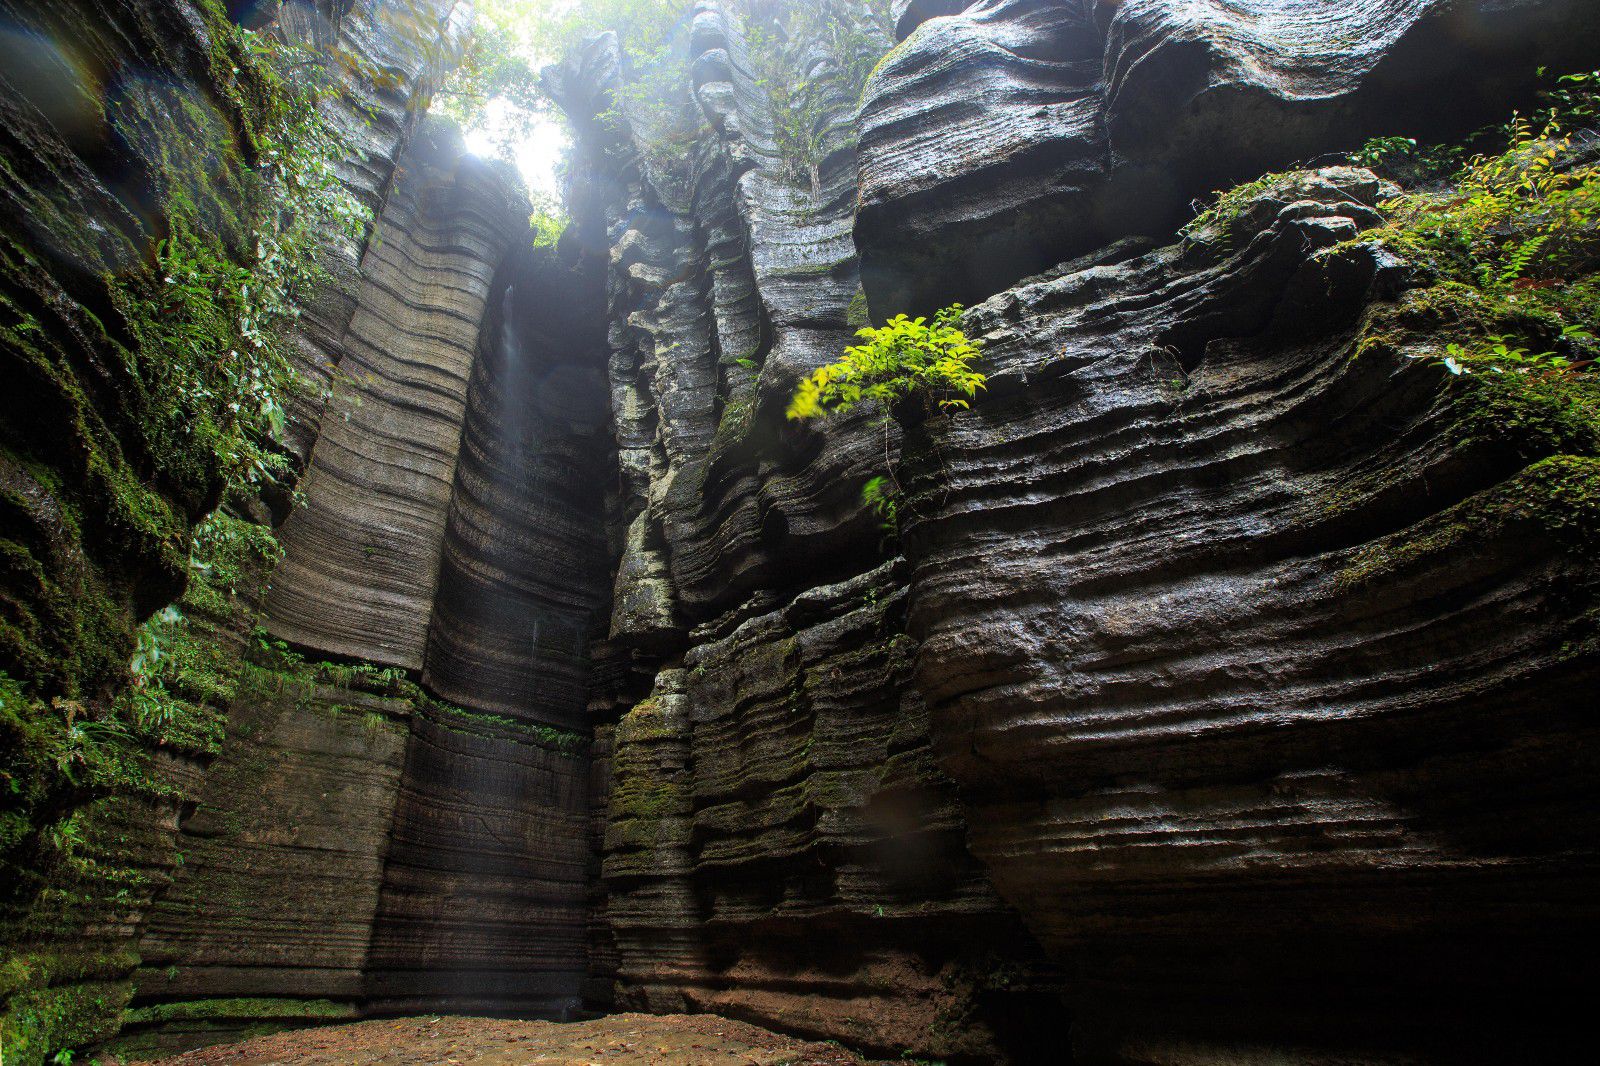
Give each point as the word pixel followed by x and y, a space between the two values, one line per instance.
pixel 214 318
pixel 182 675
pixel 904 358
pixel 1214 224
pixel 276 669
pixel 233 1009
pixel 496 63
pixel 882 497
pixel 785 42
pixel 855 315
pixel 548 220
pixel 1513 240
pixel 1518 220
pixel 196 333
pixel 554 28
pixel 512 38
pixel 655 104
pixel 1403 160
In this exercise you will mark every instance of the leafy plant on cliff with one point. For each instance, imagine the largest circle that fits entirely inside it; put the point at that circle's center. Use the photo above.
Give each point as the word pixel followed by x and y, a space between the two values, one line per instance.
pixel 1519 227
pixel 1518 220
pixel 222 303
pixel 906 359
pixel 903 359
pixel 1404 160
pixel 812 58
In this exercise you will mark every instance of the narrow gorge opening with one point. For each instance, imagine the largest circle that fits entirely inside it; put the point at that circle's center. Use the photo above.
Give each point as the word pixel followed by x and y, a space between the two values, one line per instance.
pixel 444 617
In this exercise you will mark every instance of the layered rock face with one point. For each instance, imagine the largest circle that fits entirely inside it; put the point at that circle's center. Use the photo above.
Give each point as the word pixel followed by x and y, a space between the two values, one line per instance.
pixel 778 844
pixel 1011 134
pixel 1224 628
pixel 284 850
pixel 345 840
pixel 1212 670
pixel 1223 646
pixel 524 566
pixel 450 496
pixel 1221 698
pixel 362 557
pixel 125 126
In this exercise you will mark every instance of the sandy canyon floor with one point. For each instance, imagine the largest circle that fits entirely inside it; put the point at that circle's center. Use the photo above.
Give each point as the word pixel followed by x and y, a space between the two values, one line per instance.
pixel 670 1040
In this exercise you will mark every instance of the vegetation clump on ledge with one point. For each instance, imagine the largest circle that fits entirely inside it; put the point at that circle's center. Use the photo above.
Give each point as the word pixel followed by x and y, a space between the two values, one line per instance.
pixel 904 359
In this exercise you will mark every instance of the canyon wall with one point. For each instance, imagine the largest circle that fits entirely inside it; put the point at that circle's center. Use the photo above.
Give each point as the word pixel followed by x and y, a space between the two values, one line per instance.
pixel 430 854
pixel 334 838
pixel 1220 696
pixel 1200 629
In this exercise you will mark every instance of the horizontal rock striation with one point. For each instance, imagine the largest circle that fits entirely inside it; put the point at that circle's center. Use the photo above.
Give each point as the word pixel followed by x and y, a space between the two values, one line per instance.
pixel 1017 133
pixel 523 577
pixel 772 849
pixel 782 848
pixel 452 869
pixel 362 560
pixel 1233 618
pixel 387 58
pixel 283 849
pixel 122 126
pixel 484 887
pixel 731 273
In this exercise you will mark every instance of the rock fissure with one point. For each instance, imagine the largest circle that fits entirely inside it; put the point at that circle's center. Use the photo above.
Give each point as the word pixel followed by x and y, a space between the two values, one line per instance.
pixel 1222 696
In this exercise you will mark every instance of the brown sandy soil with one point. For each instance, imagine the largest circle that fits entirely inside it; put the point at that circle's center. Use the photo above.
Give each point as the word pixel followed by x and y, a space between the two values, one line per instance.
pixel 616 1040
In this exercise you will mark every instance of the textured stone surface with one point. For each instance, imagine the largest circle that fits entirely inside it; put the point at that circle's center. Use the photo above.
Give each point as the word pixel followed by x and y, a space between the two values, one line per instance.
pixel 772 849
pixel 452 867
pixel 1001 140
pixel 523 579
pixel 485 880
pixel 1226 635
pixel 1225 685
pixel 363 553
pixel 782 848
pixel 284 849
pixel 728 278
pixel 115 120
pixel 390 58
pixel 290 894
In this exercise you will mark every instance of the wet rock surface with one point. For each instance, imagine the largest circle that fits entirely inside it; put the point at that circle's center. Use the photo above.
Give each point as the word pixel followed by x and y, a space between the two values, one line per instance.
pixel 1224 697
pixel 1213 704
pixel 362 556
pixel 1000 140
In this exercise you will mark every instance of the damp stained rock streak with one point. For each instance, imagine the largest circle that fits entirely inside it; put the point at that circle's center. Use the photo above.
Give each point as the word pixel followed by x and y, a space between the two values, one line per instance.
pixel 525 568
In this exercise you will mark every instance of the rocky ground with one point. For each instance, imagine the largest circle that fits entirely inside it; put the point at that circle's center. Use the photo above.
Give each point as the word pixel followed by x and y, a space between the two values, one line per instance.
pixel 662 1040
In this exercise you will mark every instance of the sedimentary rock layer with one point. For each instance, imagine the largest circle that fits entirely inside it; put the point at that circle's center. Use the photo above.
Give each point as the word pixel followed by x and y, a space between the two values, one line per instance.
pixel 388 58
pixel 1229 632
pixel 774 847
pixel 362 559
pixel 283 850
pixel 524 574
pixel 1000 140
pixel 781 846
pixel 484 888
pixel 122 125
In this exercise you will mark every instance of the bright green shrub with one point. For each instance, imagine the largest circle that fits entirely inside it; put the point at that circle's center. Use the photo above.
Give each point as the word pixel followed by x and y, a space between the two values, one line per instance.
pixel 904 358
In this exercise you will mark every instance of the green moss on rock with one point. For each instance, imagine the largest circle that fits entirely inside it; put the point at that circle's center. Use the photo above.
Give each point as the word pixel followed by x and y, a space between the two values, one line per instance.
pixel 1556 500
